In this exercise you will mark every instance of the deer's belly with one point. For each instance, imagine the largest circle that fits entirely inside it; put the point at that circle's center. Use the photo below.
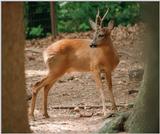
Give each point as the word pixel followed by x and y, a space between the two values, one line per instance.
pixel 79 67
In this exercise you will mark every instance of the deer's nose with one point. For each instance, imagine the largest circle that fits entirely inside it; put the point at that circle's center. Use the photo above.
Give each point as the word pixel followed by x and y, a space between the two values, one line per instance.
pixel 93 45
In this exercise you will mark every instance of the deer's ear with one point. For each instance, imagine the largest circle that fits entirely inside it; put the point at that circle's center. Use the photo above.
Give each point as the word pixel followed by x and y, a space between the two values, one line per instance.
pixel 93 24
pixel 111 25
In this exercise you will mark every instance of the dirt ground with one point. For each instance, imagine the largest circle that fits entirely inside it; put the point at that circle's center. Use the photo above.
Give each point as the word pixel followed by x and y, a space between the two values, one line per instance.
pixel 79 89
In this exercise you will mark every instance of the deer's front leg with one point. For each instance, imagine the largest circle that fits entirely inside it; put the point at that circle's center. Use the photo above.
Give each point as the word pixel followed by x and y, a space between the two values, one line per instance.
pixel 109 82
pixel 100 87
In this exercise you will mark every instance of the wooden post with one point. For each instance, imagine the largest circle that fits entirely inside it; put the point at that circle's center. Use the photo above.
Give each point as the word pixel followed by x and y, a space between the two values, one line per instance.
pixel 53 18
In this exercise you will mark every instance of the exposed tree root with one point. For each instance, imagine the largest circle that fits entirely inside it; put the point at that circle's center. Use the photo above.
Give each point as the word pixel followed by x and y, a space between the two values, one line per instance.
pixel 116 124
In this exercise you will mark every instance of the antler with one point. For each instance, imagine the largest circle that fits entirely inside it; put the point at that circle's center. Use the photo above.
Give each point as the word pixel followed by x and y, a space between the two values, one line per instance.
pixel 104 17
pixel 97 16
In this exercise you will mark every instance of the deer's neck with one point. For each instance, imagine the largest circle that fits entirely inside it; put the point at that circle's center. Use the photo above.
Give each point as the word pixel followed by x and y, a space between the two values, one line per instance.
pixel 110 53
pixel 107 45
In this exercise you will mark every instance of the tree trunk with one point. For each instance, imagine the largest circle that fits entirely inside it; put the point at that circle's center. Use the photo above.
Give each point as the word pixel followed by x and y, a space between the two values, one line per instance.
pixel 14 108
pixel 145 116
pixel 53 18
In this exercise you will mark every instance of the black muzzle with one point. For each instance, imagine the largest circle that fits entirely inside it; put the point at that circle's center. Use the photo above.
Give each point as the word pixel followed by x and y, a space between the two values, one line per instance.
pixel 93 45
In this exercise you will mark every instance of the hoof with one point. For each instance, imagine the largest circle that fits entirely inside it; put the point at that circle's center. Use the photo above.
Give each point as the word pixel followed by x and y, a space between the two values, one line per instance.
pixel 46 116
pixel 32 118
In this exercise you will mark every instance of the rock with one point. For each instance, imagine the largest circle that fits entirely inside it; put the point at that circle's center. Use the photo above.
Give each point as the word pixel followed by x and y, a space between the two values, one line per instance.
pixel 76 109
pixel 119 82
pixel 132 91
pixel 61 81
pixel 86 114
pixel 87 107
pixel 70 78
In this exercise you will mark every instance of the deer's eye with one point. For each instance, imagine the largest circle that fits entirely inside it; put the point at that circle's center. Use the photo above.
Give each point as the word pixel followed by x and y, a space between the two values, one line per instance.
pixel 101 35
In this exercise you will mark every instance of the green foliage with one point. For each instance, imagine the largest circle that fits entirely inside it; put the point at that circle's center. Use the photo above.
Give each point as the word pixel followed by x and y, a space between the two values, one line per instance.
pixel 37 18
pixel 36 32
pixel 73 16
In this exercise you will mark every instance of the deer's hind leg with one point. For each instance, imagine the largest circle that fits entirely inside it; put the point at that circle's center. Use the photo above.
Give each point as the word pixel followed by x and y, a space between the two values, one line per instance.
pixel 56 68
pixel 45 98
pixel 47 83
pixel 35 89
pixel 55 74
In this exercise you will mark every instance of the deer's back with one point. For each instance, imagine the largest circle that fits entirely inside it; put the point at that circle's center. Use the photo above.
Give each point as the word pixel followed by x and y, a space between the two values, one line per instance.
pixel 72 53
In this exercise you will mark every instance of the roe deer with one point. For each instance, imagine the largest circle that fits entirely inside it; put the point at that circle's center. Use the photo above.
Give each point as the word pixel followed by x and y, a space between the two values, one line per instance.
pixel 82 55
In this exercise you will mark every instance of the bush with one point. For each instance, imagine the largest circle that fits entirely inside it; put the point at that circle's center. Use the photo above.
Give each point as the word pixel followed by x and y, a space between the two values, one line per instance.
pixel 37 19
pixel 36 32
pixel 74 16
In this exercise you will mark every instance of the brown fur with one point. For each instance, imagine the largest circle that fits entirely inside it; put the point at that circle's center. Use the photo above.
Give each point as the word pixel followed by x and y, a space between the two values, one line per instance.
pixel 69 55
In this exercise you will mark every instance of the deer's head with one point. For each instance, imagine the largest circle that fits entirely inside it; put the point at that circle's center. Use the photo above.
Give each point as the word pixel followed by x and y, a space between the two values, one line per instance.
pixel 101 33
